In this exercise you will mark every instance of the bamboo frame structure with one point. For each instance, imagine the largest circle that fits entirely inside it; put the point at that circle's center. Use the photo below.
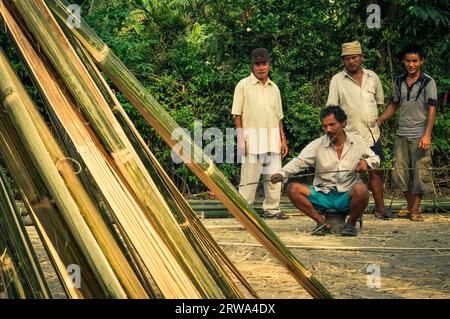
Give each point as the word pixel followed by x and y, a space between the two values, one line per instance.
pixel 149 214
pixel 90 211
pixel 205 169
pixel 195 231
pixel 14 101
pixel 150 242
pixel 29 275
pixel 67 111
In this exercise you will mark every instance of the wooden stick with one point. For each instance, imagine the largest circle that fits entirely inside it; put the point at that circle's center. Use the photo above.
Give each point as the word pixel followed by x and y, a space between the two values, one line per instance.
pixel 341 247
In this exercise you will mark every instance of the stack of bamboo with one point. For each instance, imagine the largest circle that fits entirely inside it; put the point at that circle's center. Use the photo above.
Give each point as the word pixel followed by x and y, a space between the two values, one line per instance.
pixel 215 209
pixel 144 240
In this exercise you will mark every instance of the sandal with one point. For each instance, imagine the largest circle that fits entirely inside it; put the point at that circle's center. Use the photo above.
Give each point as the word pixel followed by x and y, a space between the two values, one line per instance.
pixel 416 217
pixel 276 215
pixel 384 216
pixel 349 230
pixel 404 213
pixel 321 230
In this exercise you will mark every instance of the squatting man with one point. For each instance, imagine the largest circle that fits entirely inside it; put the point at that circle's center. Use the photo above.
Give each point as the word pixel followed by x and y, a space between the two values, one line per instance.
pixel 338 158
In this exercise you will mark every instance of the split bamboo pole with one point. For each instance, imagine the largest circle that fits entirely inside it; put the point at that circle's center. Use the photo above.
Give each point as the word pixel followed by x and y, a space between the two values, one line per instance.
pixel 14 100
pixel 90 211
pixel 192 155
pixel 189 275
pixel 18 243
pixel 53 231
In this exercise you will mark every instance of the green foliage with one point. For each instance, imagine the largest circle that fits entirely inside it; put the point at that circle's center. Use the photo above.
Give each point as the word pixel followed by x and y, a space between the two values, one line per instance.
pixel 19 67
pixel 307 114
pixel 191 54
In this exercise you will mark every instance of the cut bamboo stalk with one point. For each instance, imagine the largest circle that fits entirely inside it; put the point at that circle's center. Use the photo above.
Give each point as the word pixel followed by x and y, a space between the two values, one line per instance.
pixel 14 103
pixel 12 286
pixel 129 167
pixel 194 229
pixel 90 211
pixel 18 242
pixel 193 156
pixel 53 232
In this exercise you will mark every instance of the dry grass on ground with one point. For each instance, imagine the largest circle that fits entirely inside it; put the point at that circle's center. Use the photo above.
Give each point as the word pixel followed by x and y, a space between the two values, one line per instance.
pixel 413 272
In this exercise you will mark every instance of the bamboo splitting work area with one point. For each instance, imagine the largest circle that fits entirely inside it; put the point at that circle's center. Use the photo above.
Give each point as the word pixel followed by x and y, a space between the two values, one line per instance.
pixel 143 240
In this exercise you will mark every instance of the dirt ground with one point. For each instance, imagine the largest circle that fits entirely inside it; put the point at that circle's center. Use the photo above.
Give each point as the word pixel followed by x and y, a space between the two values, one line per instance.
pixel 420 270
pixel 413 257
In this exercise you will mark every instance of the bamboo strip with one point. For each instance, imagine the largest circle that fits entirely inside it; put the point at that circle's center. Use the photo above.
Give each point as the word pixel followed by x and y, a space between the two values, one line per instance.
pixel 130 168
pixel 14 103
pixel 89 210
pixel 18 242
pixel 13 287
pixel 343 247
pixel 208 173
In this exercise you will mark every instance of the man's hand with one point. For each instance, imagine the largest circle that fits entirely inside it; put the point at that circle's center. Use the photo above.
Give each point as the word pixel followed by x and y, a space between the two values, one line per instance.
pixel 380 122
pixel 284 148
pixel 242 148
pixel 362 167
pixel 276 178
pixel 425 142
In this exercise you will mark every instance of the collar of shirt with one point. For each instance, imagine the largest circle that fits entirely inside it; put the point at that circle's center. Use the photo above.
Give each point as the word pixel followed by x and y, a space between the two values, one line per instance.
pixel 420 79
pixel 255 80
pixel 348 140
pixel 365 73
pixel 347 144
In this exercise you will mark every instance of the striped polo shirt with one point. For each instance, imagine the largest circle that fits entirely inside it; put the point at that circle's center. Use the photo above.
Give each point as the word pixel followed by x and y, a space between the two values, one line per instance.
pixel 414 104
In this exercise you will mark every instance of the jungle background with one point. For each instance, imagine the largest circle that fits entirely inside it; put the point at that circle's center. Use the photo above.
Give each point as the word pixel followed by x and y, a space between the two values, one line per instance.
pixel 190 54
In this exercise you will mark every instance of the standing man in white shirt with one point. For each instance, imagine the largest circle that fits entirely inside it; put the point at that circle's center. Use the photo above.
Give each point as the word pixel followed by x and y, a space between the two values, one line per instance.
pixel 358 91
pixel 261 140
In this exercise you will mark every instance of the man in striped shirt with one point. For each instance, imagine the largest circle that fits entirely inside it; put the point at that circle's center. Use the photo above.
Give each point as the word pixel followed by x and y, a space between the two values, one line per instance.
pixel 415 96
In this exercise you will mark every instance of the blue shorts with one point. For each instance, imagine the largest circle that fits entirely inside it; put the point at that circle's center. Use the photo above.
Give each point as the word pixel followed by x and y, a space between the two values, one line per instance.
pixel 334 200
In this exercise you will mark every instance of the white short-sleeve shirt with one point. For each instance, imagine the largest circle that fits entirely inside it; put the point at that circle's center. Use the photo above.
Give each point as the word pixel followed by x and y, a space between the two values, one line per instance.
pixel 360 103
pixel 260 107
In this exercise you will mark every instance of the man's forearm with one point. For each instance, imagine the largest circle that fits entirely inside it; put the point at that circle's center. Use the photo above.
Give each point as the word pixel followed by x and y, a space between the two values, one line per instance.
pixel 388 112
pixel 431 119
pixel 238 125
pixel 238 121
pixel 282 135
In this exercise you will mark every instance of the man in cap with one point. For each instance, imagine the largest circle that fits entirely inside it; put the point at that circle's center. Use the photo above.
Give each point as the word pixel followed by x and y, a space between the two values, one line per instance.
pixel 261 141
pixel 358 91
